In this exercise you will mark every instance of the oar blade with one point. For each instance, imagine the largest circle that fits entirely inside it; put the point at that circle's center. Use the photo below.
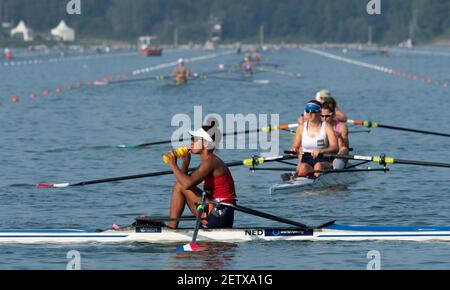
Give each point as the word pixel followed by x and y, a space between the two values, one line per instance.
pixel 101 83
pixel 191 247
pixel 49 185
pixel 124 146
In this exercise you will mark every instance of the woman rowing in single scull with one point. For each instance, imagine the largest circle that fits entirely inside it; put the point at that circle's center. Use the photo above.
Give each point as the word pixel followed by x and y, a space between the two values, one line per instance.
pixel 247 66
pixel 216 176
pixel 181 72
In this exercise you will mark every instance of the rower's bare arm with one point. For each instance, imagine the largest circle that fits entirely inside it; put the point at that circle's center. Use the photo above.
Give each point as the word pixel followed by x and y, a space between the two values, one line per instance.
pixel 333 146
pixel 196 177
pixel 186 162
pixel 344 136
pixel 297 143
pixel 341 116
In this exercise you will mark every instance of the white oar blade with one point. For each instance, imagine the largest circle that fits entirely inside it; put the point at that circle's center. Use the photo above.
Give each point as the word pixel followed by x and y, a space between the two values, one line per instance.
pixel 262 82
pixel 60 185
pixel 191 247
pixel 100 83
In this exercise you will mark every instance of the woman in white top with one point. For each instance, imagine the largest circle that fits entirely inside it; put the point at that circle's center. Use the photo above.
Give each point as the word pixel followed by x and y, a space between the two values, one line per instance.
pixel 312 140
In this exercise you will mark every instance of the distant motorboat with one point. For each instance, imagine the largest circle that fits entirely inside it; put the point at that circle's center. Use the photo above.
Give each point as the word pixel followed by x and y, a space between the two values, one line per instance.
pixel 145 47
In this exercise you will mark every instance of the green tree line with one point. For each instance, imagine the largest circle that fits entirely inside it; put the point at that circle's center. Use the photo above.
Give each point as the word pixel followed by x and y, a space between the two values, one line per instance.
pixel 283 20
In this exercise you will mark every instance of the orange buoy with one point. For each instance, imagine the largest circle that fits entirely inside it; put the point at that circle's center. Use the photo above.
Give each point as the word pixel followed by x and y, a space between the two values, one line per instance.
pixel 15 99
pixel 8 54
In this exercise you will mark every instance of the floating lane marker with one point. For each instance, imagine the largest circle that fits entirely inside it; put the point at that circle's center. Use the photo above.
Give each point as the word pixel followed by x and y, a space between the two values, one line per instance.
pixel 64 59
pixel 421 52
pixel 377 67
pixel 123 75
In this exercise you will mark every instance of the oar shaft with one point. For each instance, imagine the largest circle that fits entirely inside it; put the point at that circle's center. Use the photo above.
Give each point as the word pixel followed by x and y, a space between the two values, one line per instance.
pixel 422 163
pixel 371 124
pixel 138 176
pixel 413 130
pixel 383 160
pixel 264 215
pixel 157 78
pixel 200 209
pixel 248 162
pixel 264 129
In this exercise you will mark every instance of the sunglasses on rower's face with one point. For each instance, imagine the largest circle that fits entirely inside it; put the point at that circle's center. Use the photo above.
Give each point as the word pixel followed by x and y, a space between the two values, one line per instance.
pixel 311 111
pixel 327 116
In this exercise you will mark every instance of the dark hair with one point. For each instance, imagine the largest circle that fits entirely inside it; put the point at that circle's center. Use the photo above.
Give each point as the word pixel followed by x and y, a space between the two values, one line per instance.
pixel 329 106
pixel 207 128
pixel 331 101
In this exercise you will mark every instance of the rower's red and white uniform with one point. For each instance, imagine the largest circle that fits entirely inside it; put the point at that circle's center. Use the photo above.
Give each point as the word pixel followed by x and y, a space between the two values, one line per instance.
pixel 221 187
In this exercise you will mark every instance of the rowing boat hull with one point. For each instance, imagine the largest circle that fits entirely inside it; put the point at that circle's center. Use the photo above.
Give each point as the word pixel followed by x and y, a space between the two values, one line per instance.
pixel 324 181
pixel 164 235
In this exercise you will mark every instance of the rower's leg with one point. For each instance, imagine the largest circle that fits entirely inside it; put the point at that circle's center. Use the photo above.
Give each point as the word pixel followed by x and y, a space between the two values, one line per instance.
pixel 304 169
pixel 341 163
pixel 180 197
pixel 321 166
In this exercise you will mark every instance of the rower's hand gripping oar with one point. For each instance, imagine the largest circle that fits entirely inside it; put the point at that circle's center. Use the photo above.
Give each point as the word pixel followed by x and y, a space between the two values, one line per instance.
pixel 193 246
pixel 247 162
pixel 371 124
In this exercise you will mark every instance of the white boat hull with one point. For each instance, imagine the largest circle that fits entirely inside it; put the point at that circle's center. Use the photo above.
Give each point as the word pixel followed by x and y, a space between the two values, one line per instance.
pixel 165 235
pixel 324 181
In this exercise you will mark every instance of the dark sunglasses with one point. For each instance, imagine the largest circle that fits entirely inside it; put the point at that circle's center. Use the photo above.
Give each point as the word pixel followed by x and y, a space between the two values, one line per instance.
pixel 311 111
pixel 327 116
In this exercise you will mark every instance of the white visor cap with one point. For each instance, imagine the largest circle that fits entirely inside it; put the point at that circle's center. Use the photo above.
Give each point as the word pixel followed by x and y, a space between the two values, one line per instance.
pixel 201 133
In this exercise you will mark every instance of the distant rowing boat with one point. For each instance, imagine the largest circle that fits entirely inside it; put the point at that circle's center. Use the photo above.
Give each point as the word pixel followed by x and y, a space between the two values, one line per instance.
pixel 158 234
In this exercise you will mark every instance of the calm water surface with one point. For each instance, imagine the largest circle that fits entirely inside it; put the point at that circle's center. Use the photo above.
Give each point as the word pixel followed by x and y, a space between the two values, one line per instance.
pixel 68 137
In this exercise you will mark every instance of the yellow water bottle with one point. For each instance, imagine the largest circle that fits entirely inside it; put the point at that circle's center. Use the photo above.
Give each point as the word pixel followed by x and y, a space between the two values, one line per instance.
pixel 180 152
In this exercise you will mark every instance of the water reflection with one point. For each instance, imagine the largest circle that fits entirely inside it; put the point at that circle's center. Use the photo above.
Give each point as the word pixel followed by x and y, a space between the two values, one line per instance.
pixel 215 256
